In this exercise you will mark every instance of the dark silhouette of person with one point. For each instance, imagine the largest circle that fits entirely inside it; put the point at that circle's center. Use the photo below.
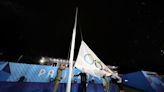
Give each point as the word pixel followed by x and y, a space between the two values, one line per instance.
pixel 83 81
pixel 22 79
pixel 93 81
pixel 119 85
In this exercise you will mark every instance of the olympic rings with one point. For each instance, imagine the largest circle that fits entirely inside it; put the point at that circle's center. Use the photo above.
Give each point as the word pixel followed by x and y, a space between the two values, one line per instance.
pixel 91 60
pixel 98 65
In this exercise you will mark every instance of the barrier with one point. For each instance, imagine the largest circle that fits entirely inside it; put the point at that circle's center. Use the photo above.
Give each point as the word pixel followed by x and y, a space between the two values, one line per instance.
pixel 142 80
pixel 11 72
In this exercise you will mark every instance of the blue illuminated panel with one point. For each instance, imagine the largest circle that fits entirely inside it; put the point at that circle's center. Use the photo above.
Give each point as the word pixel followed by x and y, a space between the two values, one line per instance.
pixel 39 73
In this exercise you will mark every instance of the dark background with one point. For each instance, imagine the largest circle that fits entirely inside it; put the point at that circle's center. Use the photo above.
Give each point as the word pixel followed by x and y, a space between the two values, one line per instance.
pixel 128 33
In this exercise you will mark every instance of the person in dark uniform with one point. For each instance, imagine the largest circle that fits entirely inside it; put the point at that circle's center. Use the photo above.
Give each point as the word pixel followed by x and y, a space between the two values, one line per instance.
pixel 83 81
pixel 119 85
pixel 22 79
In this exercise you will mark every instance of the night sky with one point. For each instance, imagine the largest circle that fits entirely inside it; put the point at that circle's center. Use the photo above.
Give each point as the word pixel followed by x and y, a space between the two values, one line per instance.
pixel 128 33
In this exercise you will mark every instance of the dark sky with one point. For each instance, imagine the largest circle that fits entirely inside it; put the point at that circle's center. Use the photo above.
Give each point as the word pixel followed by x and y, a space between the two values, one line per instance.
pixel 128 33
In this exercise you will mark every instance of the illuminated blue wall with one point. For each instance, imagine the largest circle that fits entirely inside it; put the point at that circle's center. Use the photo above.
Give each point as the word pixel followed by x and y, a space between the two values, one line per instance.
pixel 35 73
pixel 144 81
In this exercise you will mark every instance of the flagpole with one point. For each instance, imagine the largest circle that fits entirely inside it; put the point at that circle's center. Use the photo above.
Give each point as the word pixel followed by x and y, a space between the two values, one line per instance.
pixel 72 54
pixel 19 58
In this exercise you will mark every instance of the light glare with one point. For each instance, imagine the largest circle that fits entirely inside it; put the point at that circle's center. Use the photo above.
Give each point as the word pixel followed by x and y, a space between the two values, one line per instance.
pixel 42 60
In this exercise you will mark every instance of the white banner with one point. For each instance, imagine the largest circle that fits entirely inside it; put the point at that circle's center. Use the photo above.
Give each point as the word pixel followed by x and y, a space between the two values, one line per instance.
pixel 89 63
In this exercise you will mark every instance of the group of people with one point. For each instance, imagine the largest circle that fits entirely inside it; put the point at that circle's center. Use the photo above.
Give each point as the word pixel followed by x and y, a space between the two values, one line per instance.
pixel 106 82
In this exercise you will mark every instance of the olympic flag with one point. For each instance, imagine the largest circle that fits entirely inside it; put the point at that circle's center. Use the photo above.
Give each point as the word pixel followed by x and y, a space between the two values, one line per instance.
pixel 89 63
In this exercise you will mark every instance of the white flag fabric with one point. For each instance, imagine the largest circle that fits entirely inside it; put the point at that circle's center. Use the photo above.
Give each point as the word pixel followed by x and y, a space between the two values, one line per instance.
pixel 89 63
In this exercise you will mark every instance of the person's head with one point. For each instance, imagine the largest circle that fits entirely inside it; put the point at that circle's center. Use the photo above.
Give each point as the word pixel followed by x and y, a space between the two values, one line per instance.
pixel 22 77
pixel 92 80
pixel 104 76
pixel 62 66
